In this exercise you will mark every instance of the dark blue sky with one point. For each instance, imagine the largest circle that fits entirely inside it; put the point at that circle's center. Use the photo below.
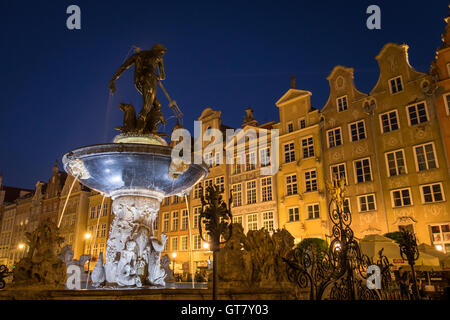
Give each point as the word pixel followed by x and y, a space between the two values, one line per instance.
pixel 226 55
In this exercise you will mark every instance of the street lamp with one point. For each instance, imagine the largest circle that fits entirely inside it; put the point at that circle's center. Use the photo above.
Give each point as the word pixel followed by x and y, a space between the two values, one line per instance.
pixel 174 255
pixel 21 246
pixel 205 245
pixel 87 236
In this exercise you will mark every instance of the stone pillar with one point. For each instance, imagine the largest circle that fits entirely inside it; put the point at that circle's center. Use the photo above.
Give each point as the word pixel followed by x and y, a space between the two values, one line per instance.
pixel 132 251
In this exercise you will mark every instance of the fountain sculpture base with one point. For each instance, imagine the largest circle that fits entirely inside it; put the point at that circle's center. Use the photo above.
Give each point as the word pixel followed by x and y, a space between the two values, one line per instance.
pixel 132 252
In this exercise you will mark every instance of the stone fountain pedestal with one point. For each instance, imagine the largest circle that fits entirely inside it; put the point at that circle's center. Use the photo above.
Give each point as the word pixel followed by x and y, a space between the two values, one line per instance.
pixel 132 251
pixel 137 173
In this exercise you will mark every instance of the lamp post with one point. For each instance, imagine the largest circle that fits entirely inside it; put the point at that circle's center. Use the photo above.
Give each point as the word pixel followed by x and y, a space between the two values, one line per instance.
pixel 87 236
pixel 216 217
pixel 410 252
pixel 174 255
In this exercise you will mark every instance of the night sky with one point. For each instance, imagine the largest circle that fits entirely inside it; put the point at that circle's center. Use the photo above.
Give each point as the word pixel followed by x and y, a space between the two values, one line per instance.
pixel 226 55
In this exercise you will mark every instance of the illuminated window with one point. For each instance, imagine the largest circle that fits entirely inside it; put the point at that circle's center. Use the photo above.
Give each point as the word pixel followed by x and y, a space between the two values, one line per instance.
pixel 174 244
pixel 238 219
pixel 289 152
pixel 250 161
pixel 310 180
pixel 266 189
pixel 264 156
pixel 251 192
pixel 237 195
pixel 440 235
pixel 197 242
pixel 291 185
pixel 166 217
pixel 92 216
pixel 197 190
pixel 184 219
pixel 268 220
pixel 174 221
pixel 196 217
pixel 184 243
pixel 252 221
pixel 103 233
pixel 308 147
pixel 105 210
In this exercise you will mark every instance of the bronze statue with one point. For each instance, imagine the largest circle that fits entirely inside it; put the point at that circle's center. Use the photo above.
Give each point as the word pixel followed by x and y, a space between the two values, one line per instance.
pixel 148 70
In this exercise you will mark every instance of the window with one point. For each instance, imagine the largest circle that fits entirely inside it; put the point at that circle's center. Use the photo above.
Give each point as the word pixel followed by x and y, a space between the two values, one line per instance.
pixel 92 216
pixel 175 200
pixel 289 152
pixel 238 219
pixel 395 163
pixel 313 211
pixel 196 217
pixel 250 161
pixel 209 159
pixel 417 113
pixel 268 220
pixel 99 209
pixel 220 182
pixel 103 231
pixel 197 242
pixel 302 123
pixel 291 185
pixel 218 159
pixel 357 131
pixel 339 171
pixel 432 193
pixel 252 221
pixel 389 121
pixel 396 85
pixel 197 190
pixel 208 183
pixel 311 180
pixel 184 243
pixel 251 192
pixel 156 223
pixel 174 244
pixel 290 127
pixel 342 104
pixel 237 195
pixel 105 209
pixel 264 156
pixel 294 214
pixel 363 172
pixel 334 137
pixel 266 188
pixel 425 157
pixel 167 201
pixel 166 217
pixel 174 221
pixel 367 203
pixel 447 103
pixel 237 165
pixel 308 147
pixel 184 219
pixel 440 235
pixel 401 198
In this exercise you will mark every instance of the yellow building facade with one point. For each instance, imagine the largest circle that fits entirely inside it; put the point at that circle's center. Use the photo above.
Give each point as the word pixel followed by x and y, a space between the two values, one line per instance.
pixel 301 193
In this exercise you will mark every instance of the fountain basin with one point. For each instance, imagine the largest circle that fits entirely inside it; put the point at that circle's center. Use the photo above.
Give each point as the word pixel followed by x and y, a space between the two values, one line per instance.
pixel 118 169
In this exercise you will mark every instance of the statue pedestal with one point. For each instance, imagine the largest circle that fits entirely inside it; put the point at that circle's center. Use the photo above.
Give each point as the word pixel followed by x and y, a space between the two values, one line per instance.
pixel 132 251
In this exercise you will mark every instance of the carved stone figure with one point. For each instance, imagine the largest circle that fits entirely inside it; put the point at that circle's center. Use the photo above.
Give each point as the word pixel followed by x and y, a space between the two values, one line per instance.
pixel 127 266
pixel 129 117
pixel 148 70
pixel 165 265
pixel 156 275
pixel 255 259
pixel 98 274
pixel 132 252
pixel 41 267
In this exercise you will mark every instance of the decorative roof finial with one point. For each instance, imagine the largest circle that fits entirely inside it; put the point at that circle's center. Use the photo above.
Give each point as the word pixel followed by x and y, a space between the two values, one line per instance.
pixel 292 81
